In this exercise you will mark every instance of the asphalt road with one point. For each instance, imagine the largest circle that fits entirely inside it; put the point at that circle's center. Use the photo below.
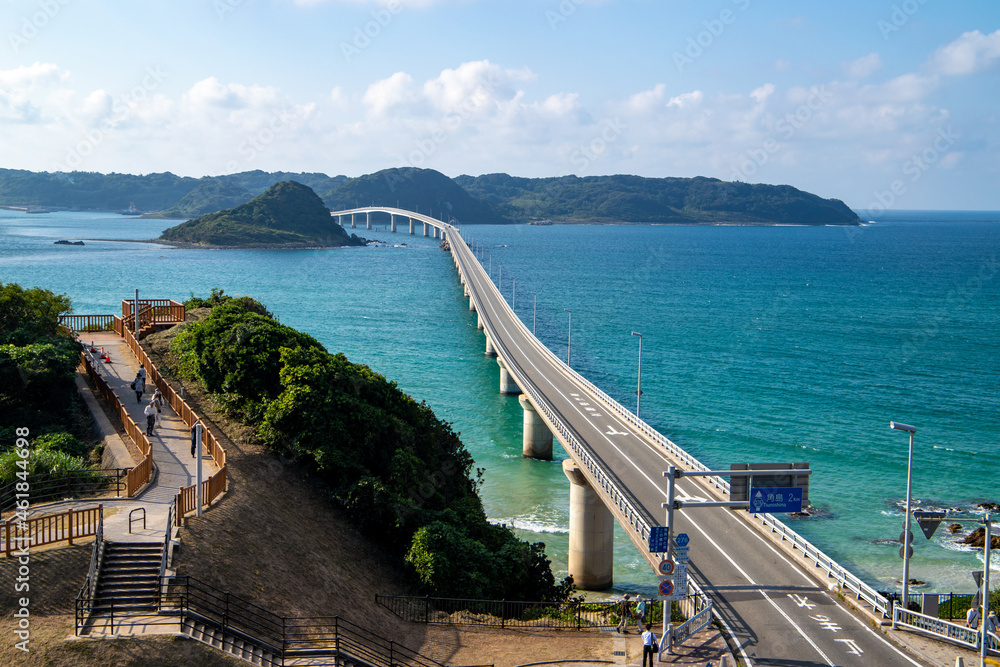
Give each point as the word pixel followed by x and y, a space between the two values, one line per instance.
pixel 777 613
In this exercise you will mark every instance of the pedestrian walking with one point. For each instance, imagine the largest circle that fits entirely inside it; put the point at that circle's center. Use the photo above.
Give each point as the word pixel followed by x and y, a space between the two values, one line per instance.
pixel 150 413
pixel 972 618
pixel 139 387
pixel 624 614
pixel 650 647
pixel 142 373
pixel 640 613
pixel 194 439
pixel 158 401
pixel 992 627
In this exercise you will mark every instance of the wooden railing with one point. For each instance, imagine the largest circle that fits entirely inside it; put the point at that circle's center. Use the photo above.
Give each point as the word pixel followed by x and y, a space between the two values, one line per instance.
pixel 51 528
pixel 214 485
pixel 87 323
pixel 152 312
pixel 139 475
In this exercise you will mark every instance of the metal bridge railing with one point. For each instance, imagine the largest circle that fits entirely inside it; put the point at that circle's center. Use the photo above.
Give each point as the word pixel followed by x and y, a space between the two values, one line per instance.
pixel 620 497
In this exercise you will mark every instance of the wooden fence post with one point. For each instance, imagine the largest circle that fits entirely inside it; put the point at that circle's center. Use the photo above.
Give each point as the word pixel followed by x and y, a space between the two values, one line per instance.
pixel 70 522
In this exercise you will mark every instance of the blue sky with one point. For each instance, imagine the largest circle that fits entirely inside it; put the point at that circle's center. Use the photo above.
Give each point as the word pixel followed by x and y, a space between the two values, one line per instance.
pixel 888 103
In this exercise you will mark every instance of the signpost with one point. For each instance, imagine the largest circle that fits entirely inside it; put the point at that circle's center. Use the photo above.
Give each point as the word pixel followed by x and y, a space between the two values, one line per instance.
pixel 665 590
pixel 659 539
pixel 666 568
pixel 780 500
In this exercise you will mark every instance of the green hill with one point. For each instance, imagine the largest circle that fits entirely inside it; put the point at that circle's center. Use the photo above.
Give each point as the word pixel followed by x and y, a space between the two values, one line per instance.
pixel 420 190
pixel 90 190
pixel 635 199
pixel 213 194
pixel 289 214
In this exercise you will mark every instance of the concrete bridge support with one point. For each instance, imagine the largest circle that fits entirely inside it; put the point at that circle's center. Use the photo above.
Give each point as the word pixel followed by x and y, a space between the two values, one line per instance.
pixel 368 220
pixel 490 351
pixel 465 289
pixel 472 307
pixel 479 322
pixel 425 229
pixel 537 439
pixel 392 223
pixel 352 221
pixel 591 533
pixel 411 226
pixel 507 383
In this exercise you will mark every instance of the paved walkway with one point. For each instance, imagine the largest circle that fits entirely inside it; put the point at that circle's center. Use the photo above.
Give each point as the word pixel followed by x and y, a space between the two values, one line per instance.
pixel 173 465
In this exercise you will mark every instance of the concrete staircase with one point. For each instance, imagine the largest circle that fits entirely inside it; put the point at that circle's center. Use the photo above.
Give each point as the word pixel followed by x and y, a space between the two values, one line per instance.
pixel 129 579
pixel 229 642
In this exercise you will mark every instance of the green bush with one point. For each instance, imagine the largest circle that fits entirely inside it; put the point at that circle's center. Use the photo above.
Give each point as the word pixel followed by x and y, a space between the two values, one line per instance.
pixel 40 462
pixel 401 474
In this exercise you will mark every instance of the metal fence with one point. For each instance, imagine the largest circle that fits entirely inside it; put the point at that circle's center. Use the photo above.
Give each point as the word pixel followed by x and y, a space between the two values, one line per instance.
pixel 46 487
pixel 502 613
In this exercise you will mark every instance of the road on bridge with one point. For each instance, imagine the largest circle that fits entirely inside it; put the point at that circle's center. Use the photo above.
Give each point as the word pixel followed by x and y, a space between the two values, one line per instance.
pixel 776 612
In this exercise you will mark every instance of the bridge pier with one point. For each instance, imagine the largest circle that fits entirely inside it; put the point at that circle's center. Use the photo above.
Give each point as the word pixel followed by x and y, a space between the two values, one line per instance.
pixel 537 439
pixel 490 352
pixel 352 221
pixel 392 223
pixel 411 226
pixel 368 220
pixel 425 229
pixel 465 289
pixel 507 383
pixel 472 307
pixel 479 322
pixel 591 533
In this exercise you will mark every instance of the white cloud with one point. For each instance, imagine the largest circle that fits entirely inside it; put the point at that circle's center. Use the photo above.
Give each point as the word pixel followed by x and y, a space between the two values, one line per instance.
pixel 972 52
pixel 762 93
pixel 863 67
pixel 387 93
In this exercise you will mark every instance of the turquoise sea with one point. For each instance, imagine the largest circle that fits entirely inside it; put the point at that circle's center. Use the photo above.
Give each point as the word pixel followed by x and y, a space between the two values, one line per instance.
pixel 759 344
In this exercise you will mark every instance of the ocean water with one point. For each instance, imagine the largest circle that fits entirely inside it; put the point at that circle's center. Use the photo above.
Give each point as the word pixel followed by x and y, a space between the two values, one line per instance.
pixel 759 344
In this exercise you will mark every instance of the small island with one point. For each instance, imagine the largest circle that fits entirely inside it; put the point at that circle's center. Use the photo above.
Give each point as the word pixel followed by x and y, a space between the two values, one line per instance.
pixel 65 242
pixel 287 215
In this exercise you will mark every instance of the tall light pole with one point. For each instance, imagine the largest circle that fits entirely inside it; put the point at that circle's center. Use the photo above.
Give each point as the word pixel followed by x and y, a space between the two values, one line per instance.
pixel 638 389
pixel 534 313
pixel 569 335
pixel 907 547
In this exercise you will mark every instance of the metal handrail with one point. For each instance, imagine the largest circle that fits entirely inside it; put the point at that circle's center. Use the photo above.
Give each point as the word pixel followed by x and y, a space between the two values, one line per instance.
pixel 137 509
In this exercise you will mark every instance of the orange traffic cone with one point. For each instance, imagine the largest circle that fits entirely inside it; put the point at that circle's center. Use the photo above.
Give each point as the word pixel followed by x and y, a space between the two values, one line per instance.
pixel 107 359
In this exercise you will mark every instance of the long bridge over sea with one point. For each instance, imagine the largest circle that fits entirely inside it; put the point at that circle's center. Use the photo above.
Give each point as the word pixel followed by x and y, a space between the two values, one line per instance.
pixel 775 594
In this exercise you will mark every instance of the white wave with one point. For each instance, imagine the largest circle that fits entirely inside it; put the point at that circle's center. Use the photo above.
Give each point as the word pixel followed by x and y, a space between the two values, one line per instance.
pixel 531 524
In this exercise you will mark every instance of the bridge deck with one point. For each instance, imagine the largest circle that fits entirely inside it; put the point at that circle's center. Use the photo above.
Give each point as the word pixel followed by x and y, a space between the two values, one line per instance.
pixel 778 613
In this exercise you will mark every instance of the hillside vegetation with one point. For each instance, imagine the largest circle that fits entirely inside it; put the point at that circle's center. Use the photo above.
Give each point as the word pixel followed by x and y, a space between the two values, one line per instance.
pixel 211 195
pixel 635 199
pixel 289 214
pixel 38 396
pixel 400 474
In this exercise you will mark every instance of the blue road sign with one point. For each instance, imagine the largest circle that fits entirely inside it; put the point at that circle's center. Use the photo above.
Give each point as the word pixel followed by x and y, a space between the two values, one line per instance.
pixel 788 499
pixel 658 539
pixel 682 539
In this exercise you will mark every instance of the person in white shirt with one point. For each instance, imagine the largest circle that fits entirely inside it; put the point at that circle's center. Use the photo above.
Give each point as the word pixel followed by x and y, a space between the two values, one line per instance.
pixel 649 645
pixel 972 618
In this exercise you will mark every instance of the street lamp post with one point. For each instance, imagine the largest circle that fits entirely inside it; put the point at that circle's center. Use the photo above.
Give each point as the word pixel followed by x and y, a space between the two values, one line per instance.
pixel 569 335
pixel 534 313
pixel 907 547
pixel 638 389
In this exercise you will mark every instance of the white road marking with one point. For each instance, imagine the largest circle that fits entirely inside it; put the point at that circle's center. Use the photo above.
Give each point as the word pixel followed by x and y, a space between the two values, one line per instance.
pixel 662 491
